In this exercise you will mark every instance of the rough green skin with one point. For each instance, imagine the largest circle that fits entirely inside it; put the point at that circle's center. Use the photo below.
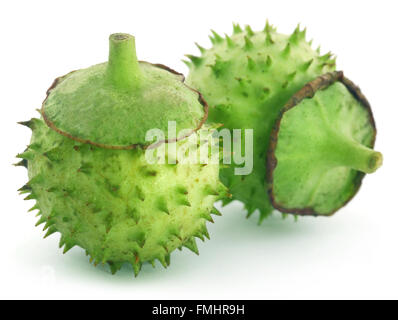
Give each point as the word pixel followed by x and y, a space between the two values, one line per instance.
pixel 246 79
pixel 112 202
pixel 324 146
pixel 115 205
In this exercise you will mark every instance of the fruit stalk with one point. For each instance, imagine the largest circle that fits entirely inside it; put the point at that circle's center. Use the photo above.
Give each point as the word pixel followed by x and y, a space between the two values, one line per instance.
pixel 354 155
pixel 123 69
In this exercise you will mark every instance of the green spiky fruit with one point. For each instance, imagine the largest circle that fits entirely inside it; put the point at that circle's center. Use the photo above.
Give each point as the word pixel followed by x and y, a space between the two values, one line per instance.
pixel 247 78
pixel 321 147
pixel 87 166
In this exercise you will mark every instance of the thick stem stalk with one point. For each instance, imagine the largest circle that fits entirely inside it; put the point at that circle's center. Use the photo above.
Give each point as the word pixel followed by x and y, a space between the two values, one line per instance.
pixel 123 69
pixel 352 154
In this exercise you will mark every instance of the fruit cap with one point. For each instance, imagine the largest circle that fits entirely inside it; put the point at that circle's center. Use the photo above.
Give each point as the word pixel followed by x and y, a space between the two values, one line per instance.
pixel 321 147
pixel 113 105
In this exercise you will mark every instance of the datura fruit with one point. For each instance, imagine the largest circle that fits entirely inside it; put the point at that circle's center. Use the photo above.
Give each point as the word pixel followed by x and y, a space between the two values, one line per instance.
pixel 87 167
pixel 247 79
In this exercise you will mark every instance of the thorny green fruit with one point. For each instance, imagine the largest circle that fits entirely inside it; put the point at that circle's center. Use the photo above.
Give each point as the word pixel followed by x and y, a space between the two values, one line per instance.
pixel 247 78
pixel 321 147
pixel 87 167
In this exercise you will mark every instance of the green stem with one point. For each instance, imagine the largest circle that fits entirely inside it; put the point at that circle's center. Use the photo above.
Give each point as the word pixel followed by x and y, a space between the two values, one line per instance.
pixel 354 155
pixel 123 69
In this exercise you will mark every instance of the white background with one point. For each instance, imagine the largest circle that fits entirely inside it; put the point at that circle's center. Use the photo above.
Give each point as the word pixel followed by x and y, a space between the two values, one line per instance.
pixel 351 255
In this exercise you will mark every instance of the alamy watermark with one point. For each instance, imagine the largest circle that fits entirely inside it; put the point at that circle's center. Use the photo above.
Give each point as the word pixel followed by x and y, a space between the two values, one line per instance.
pixel 208 146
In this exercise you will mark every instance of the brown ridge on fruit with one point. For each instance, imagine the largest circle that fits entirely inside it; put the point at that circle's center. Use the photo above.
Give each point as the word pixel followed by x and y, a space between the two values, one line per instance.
pixel 308 91
pixel 52 126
